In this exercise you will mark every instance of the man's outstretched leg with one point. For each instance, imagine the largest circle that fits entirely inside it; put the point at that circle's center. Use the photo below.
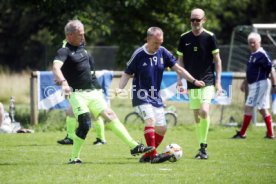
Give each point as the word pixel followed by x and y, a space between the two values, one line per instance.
pixel 120 131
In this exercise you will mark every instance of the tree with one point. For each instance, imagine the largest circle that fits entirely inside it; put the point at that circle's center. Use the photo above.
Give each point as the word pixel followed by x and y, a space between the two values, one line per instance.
pixel 32 30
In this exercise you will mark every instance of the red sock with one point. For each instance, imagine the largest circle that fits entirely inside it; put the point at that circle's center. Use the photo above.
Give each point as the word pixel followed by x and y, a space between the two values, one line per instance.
pixel 150 139
pixel 158 139
pixel 268 122
pixel 246 121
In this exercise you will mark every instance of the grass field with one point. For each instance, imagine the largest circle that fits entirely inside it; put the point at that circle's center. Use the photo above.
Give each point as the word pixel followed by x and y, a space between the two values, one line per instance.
pixel 37 158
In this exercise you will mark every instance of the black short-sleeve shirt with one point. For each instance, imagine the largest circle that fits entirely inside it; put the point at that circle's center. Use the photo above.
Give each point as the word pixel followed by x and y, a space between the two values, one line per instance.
pixel 197 52
pixel 77 67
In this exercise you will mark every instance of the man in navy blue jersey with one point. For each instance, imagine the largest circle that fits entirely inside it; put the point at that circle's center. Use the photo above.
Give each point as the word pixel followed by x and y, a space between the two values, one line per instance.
pixel 147 65
pixel 198 54
pixel 259 67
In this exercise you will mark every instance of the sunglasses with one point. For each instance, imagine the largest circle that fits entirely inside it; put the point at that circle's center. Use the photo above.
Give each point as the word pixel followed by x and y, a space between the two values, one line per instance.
pixel 195 20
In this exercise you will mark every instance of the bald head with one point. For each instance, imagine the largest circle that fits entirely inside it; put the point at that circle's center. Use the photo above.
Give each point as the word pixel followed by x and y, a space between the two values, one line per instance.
pixel 197 20
pixel 197 13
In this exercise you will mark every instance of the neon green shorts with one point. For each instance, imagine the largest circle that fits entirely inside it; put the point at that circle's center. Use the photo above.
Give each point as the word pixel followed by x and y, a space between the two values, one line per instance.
pixel 88 101
pixel 200 96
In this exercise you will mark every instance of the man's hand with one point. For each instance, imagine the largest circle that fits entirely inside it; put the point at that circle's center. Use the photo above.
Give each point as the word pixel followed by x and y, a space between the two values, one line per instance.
pixel 218 88
pixel 66 89
pixel 118 91
pixel 179 86
pixel 199 83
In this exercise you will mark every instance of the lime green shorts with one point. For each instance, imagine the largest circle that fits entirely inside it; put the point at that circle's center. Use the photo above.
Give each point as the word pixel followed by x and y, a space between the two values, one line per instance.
pixel 200 96
pixel 88 101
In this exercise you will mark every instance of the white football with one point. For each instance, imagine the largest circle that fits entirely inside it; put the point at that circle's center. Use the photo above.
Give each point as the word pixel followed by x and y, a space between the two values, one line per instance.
pixel 174 149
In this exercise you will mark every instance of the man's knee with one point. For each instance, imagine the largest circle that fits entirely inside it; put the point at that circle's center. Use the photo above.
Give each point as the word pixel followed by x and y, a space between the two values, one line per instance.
pixel 108 114
pixel 84 125
pixel 204 113
pixel 150 122
pixel 161 130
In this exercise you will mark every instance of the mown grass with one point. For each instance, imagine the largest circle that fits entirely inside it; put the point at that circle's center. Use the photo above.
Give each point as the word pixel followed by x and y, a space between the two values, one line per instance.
pixel 37 158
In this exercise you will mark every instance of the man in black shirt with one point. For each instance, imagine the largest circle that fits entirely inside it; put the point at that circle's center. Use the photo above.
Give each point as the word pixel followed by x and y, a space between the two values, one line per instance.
pixel 72 68
pixel 199 55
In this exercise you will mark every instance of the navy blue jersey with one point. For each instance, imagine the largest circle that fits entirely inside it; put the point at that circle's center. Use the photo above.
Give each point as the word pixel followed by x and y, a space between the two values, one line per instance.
pixel 148 73
pixel 77 67
pixel 259 66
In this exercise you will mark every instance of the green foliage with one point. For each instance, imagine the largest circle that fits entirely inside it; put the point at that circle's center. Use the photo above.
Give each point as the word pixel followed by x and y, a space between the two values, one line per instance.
pixel 262 12
pixel 37 26
pixel 37 158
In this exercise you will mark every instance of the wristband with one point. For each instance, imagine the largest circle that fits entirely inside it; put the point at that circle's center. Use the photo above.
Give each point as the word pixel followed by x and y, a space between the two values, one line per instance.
pixel 274 85
pixel 194 81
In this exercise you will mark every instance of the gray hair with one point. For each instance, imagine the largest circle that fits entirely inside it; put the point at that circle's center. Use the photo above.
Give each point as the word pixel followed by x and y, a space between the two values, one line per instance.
pixel 72 26
pixel 254 35
pixel 154 31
